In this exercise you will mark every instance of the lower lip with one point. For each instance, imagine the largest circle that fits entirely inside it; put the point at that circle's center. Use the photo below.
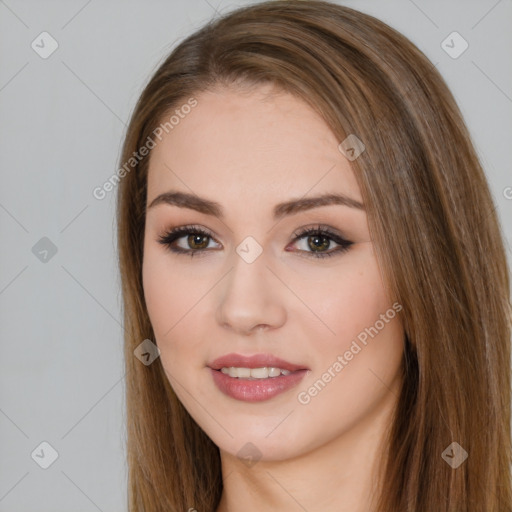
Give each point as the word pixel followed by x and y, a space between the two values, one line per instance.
pixel 256 390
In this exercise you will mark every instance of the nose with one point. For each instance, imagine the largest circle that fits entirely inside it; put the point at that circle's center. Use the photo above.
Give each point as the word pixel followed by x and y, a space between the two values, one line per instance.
pixel 251 298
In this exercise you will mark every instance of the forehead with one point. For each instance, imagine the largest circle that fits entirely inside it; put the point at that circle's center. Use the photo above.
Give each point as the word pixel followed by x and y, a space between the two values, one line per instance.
pixel 248 145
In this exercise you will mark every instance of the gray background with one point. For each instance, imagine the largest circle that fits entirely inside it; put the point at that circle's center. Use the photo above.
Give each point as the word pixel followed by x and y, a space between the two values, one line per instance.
pixel 62 120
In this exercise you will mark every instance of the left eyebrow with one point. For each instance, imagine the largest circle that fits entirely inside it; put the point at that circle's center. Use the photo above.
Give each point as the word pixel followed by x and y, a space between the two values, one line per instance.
pixel 292 207
pixel 308 203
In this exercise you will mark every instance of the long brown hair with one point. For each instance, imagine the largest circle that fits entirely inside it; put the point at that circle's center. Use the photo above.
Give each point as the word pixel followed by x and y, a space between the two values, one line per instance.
pixel 435 232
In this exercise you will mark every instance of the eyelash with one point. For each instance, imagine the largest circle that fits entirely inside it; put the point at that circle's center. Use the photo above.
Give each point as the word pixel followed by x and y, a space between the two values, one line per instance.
pixel 168 238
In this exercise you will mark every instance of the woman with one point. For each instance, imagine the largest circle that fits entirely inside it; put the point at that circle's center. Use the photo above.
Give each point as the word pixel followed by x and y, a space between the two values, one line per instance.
pixel 307 236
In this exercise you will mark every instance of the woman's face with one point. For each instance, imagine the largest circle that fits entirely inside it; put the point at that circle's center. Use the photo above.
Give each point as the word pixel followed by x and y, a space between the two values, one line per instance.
pixel 257 283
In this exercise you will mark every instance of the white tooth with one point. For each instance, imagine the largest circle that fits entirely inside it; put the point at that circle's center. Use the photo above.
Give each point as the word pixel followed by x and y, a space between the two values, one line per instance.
pixel 254 373
pixel 259 373
pixel 274 372
pixel 244 373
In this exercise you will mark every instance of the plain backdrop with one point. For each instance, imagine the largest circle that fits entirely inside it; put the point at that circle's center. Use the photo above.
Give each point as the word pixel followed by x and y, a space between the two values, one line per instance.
pixel 62 120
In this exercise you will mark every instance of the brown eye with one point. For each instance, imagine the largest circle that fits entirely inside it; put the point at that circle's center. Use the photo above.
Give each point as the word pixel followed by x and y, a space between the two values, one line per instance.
pixel 196 240
pixel 318 241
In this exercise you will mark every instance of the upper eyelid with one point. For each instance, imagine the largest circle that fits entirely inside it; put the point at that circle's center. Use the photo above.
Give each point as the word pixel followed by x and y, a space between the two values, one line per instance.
pixel 183 230
pixel 319 227
pixel 300 232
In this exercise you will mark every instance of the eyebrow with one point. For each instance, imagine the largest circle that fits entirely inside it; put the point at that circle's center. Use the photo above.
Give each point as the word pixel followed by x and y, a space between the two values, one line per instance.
pixel 208 207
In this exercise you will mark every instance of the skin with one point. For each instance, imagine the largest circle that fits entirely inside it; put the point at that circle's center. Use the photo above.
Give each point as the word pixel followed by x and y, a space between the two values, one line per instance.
pixel 248 151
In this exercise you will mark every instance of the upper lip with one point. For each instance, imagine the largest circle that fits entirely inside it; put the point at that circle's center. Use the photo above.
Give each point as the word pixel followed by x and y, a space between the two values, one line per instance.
pixel 254 361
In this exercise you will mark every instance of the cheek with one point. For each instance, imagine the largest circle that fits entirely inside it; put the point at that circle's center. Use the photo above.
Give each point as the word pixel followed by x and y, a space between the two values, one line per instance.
pixel 165 292
pixel 345 301
pixel 156 289
pixel 355 369
pixel 366 350
pixel 173 301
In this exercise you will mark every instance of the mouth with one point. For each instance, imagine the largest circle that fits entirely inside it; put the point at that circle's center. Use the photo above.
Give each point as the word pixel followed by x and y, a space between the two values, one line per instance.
pixel 255 378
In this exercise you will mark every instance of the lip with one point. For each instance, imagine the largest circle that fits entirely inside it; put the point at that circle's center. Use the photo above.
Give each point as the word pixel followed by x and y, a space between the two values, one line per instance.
pixel 254 361
pixel 256 390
